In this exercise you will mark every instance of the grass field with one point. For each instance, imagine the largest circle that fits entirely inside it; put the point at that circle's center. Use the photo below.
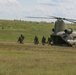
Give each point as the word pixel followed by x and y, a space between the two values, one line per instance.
pixel 30 59
pixel 11 30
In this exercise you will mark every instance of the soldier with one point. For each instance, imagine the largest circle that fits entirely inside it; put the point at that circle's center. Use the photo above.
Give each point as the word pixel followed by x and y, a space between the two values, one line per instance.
pixel 43 40
pixel 36 40
pixel 49 40
pixel 20 39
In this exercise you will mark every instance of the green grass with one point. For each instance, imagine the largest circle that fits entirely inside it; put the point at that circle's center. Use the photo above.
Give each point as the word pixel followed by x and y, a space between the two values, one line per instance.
pixel 30 59
pixel 11 30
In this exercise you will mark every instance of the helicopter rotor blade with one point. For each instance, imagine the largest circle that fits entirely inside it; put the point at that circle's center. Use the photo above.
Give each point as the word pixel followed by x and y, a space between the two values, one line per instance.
pixel 70 20
pixel 56 17
pixel 53 17
pixel 40 17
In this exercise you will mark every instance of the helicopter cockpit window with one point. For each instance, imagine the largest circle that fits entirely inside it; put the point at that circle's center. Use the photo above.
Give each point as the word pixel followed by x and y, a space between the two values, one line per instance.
pixel 67 37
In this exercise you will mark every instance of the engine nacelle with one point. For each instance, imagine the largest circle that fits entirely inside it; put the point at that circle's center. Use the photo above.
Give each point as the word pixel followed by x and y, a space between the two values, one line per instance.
pixel 68 31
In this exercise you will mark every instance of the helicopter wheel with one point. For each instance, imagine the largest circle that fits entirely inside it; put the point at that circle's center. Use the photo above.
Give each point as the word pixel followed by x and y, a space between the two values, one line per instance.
pixel 70 45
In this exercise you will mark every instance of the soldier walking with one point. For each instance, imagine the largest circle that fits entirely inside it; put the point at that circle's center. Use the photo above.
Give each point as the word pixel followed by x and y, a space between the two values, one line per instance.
pixel 36 40
pixel 43 40
pixel 49 41
pixel 20 39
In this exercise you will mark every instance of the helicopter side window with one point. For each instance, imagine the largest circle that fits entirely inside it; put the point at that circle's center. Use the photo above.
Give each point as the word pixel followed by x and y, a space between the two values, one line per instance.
pixel 64 35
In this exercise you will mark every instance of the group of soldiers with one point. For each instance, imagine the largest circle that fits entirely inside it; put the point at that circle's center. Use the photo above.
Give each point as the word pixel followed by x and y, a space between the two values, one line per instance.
pixel 36 40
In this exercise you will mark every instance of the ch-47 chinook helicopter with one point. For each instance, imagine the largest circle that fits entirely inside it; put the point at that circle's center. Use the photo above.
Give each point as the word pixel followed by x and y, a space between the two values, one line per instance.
pixel 61 35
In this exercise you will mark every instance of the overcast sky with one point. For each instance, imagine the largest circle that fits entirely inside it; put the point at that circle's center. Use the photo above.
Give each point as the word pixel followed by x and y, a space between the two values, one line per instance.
pixel 19 9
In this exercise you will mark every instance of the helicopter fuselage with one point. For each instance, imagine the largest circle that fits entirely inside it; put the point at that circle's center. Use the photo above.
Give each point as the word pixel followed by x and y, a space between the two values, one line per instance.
pixel 62 38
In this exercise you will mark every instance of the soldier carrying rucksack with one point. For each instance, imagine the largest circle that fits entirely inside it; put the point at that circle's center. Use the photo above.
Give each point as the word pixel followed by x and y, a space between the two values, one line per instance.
pixel 36 40
pixel 20 39
pixel 49 40
pixel 43 40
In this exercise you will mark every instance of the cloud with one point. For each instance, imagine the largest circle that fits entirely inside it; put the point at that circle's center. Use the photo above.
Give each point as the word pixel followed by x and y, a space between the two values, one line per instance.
pixel 65 8
pixel 9 8
pixel 9 1
pixel 20 8
pixel 43 1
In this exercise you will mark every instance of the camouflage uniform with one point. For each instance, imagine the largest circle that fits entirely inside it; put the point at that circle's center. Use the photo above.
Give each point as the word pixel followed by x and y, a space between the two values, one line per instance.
pixel 43 40
pixel 36 40
pixel 49 40
pixel 20 39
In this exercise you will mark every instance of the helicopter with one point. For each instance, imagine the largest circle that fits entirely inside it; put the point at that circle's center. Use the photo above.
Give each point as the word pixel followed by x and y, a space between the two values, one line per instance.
pixel 62 35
